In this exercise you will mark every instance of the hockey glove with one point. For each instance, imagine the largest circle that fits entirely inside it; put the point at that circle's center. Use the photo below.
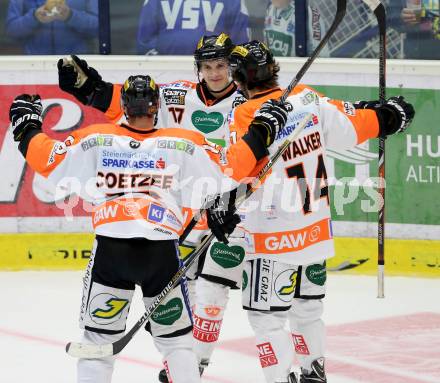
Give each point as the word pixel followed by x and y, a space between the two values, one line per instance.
pixel 84 83
pixel 221 216
pixel 25 115
pixel 394 116
pixel 267 122
pixel 366 104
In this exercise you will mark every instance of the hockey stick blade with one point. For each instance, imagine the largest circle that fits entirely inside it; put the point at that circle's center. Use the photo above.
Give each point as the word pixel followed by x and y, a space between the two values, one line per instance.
pixel 341 7
pixel 87 351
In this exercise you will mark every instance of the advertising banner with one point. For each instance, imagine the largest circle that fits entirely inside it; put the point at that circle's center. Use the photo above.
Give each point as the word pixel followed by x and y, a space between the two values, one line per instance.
pixel 28 204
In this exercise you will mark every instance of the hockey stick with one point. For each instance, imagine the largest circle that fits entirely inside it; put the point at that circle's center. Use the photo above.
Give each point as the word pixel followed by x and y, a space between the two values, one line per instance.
pixel 80 350
pixel 341 7
pixel 379 11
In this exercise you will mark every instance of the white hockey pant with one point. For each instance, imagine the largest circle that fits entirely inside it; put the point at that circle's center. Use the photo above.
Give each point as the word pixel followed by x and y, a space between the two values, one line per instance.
pixel 308 330
pixel 211 300
pixel 273 343
pixel 179 359
pixel 96 370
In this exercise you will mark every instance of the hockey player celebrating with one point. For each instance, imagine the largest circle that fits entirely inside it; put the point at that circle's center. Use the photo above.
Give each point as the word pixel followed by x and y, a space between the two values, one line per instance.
pixel 202 107
pixel 289 235
pixel 137 177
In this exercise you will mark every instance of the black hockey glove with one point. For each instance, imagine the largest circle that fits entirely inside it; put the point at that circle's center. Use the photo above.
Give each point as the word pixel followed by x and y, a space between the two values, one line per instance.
pixel 221 216
pixel 267 122
pixel 394 116
pixel 84 83
pixel 25 115
pixel 366 104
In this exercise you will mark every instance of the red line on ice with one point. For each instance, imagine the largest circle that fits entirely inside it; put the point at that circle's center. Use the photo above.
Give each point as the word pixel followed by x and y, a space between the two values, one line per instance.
pixel 401 343
pixel 55 343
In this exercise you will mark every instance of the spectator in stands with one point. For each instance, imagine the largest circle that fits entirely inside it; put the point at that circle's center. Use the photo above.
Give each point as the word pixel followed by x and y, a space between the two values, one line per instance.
pixel 53 26
pixel 170 27
pixel 279 28
pixel 420 22
pixel 257 11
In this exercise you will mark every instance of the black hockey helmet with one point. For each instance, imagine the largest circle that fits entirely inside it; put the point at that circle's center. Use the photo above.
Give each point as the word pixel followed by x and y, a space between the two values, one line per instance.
pixel 252 63
pixel 140 96
pixel 213 47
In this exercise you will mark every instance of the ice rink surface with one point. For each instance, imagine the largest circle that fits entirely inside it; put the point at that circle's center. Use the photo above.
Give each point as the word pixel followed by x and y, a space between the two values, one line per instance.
pixel 391 340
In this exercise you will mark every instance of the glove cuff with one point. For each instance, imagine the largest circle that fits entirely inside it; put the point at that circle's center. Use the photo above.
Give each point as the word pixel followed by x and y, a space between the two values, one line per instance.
pixel 29 133
pixel 255 141
pixel 102 96
pixel 388 120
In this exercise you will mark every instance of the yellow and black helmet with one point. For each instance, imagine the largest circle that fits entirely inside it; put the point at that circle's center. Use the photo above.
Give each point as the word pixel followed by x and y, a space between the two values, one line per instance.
pixel 140 96
pixel 213 47
pixel 252 63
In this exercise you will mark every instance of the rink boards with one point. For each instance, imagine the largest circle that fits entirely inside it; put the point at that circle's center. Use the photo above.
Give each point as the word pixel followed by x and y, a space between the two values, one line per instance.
pixel 71 251
pixel 37 235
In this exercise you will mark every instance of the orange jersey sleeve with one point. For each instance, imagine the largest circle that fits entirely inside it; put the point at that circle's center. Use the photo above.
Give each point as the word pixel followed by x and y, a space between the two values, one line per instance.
pixel 45 154
pixel 364 121
pixel 114 113
pixel 242 116
pixel 238 161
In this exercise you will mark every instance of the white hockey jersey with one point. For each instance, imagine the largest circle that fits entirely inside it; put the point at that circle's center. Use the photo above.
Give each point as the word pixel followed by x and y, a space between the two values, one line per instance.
pixel 184 105
pixel 288 218
pixel 139 181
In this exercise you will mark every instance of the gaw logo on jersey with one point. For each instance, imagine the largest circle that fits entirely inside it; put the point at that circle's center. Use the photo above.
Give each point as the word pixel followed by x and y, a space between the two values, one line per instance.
pixel 168 313
pixel 106 308
pixel 207 122
pixel 285 285
pixel 317 274
pixel 226 256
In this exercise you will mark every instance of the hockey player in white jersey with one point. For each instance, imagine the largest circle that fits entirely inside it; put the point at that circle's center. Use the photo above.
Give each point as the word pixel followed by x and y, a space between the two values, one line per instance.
pixel 288 232
pixel 201 107
pixel 137 177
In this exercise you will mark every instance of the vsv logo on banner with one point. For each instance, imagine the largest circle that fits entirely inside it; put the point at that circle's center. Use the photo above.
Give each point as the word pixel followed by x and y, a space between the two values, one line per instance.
pixel 190 14
pixel 22 192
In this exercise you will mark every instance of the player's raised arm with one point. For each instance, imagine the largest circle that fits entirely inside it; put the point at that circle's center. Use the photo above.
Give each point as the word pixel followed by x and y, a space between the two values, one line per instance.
pixel 77 78
pixel 346 125
pixel 50 158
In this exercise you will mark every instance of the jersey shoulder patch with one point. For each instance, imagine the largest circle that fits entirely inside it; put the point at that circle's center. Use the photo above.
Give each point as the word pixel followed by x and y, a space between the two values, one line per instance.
pixel 238 99
pixel 303 87
pixel 182 84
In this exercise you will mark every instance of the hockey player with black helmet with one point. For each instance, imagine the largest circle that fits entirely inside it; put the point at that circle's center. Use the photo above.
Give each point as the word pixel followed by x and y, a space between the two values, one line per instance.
pixel 202 107
pixel 287 243
pixel 137 216
pixel 211 60
pixel 183 103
